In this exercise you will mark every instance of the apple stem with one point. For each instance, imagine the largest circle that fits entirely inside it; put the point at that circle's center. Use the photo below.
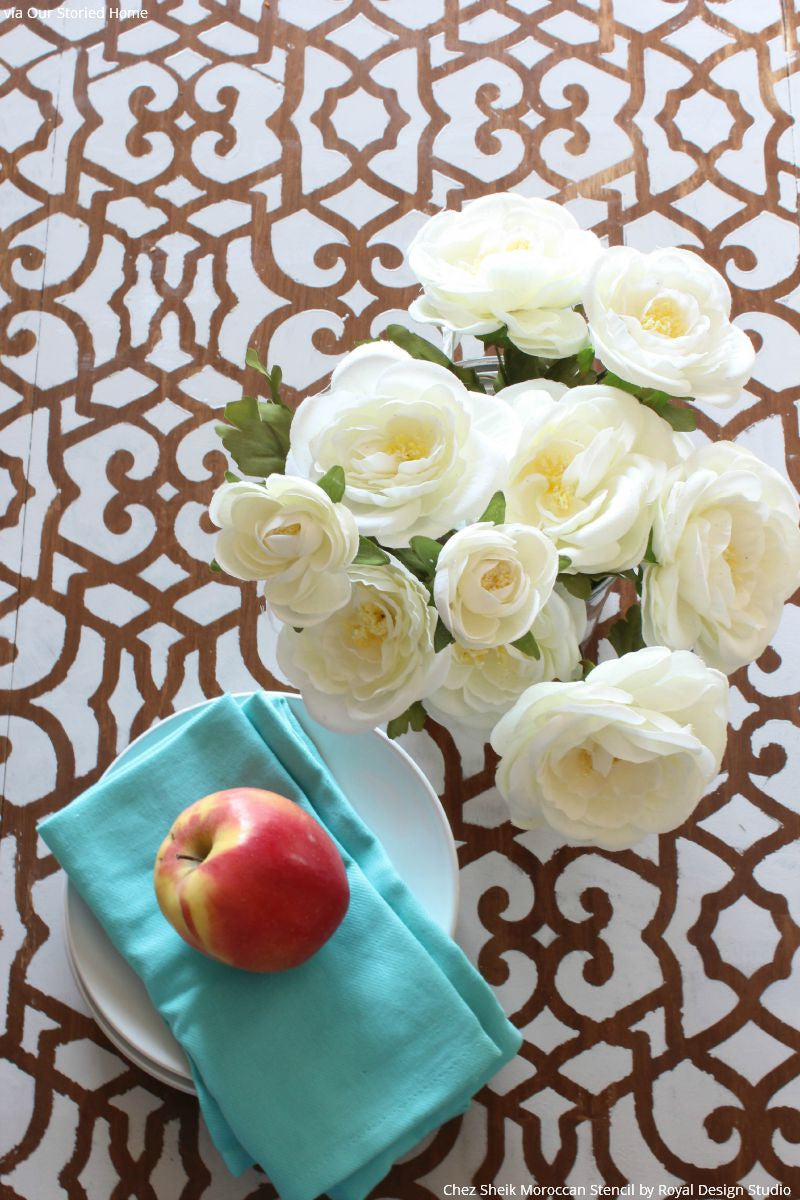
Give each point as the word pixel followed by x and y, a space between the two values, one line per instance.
pixel 189 857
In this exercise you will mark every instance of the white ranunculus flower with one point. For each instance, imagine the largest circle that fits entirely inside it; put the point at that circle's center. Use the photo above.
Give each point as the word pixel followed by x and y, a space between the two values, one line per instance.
pixel 727 542
pixel 627 752
pixel 420 453
pixel 587 471
pixel 370 660
pixel 506 260
pixel 482 685
pixel 662 320
pixel 491 582
pixel 290 534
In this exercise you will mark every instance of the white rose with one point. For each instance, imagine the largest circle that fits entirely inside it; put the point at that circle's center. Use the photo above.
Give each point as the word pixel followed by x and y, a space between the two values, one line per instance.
pixel 289 533
pixel 482 685
pixel 662 320
pixel 627 752
pixel 491 582
pixel 369 661
pixel 727 542
pixel 587 471
pixel 420 453
pixel 505 260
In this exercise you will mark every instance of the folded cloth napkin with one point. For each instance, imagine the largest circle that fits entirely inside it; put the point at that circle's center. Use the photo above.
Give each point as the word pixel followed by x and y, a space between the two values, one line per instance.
pixel 324 1074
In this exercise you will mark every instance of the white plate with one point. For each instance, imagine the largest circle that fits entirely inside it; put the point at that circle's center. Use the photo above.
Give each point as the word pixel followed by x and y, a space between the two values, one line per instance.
pixel 391 795
pixel 157 1047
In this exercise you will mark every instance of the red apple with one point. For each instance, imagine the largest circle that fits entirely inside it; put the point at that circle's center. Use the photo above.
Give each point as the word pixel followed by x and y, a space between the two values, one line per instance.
pixel 249 878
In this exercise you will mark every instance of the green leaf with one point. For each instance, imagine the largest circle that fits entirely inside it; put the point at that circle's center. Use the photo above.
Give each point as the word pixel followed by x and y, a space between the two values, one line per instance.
pixel 333 484
pixel 612 380
pixel 442 636
pixel 275 379
pixel 419 347
pixel 232 477
pixel 519 367
pixel 678 416
pixel 527 644
pixel 412 718
pixel 495 510
pixel 214 566
pixel 681 419
pixel 649 554
pixel 584 358
pixel 498 337
pixel 564 561
pixel 252 360
pixel 257 435
pixel 577 585
pixel 586 666
pixel 410 560
pixel 242 413
pixel 427 551
pixel 625 634
pixel 574 371
pixel 370 554
pixel 275 376
pixel 418 716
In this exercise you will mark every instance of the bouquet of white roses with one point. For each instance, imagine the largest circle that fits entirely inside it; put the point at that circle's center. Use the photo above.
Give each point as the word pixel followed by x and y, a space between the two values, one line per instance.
pixel 427 532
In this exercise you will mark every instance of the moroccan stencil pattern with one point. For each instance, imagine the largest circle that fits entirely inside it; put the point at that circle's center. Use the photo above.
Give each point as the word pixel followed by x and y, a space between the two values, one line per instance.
pixel 214 176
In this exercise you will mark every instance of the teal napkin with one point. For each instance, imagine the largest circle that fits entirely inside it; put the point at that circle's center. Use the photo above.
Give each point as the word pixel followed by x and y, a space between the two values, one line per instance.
pixel 324 1074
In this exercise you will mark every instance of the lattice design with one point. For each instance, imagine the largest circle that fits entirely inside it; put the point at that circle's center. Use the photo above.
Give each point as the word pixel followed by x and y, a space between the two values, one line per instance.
pixel 177 188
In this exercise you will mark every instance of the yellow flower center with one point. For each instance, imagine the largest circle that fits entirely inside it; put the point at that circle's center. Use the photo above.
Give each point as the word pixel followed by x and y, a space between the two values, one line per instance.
pixel 736 565
pixel 585 762
pixel 471 658
pixel 664 316
pixel 288 530
pixel 369 626
pixel 520 243
pixel 551 466
pixel 497 577
pixel 407 447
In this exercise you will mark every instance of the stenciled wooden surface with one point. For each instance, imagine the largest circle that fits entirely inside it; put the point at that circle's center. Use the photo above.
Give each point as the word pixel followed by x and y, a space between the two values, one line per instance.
pixel 217 175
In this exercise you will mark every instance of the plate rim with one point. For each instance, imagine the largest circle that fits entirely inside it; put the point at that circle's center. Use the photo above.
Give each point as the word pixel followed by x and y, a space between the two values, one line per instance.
pixel 106 1025
pixel 136 1056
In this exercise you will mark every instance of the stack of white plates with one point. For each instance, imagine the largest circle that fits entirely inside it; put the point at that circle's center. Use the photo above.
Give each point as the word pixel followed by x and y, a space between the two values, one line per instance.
pixel 392 797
